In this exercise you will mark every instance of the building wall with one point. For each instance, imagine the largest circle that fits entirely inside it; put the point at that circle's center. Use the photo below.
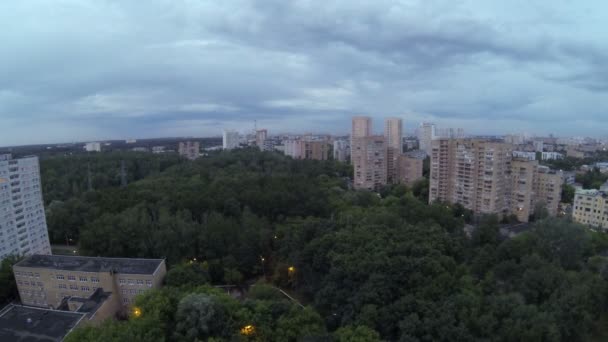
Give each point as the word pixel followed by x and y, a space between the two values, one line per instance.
pixel 591 208
pixel 189 149
pixel 393 131
pixel 23 228
pixel 369 161
pixel 523 173
pixel 548 188
pixel 341 150
pixel 230 139
pixel 50 286
pixel 426 134
pixel 260 138
pixel 409 169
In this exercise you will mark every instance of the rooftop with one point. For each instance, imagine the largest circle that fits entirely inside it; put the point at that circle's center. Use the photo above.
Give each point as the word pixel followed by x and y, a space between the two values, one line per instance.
pixel 91 264
pixel 27 324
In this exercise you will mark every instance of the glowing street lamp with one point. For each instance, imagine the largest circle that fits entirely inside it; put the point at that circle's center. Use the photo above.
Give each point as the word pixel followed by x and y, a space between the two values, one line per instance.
pixel 136 312
pixel 248 330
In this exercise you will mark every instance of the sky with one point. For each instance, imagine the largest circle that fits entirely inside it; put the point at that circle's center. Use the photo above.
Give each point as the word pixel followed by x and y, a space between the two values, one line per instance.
pixel 79 70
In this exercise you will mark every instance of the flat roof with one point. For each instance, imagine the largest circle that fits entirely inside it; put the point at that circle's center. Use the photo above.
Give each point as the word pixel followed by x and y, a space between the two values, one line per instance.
pixel 91 264
pixel 28 324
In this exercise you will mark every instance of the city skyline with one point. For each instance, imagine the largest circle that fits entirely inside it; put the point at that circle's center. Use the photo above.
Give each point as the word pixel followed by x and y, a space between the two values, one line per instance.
pixel 193 69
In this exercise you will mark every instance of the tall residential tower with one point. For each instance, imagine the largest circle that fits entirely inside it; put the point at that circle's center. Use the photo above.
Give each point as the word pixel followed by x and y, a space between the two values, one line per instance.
pixel 23 229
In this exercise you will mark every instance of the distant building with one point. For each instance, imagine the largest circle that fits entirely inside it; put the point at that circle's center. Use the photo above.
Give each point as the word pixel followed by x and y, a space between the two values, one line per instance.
pixel 472 172
pixel 189 149
pixel 23 229
pixel 393 133
pixel 92 147
pixel 484 177
pixel 368 157
pixel 551 156
pixel 426 134
pixel 260 138
pixel 410 143
pixel 158 149
pixel 538 145
pixel 362 127
pixel 131 141
pixel 230 139
pixel 49 281
pixel 140 149
pixel 307 149
pixel 410 167
pixel 341 150
pixel 591 208
pixel 524 155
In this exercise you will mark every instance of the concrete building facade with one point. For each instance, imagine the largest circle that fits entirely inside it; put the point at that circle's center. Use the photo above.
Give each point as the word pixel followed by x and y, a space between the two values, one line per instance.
pixel 341 150
pixel 426 134
pixel 260 138
pixel 410 167
pixel 393 133
pixel 48 281
pixel 591 208
pixel 189 149
pixel 23 229
pixel 230 139
pixel 369 160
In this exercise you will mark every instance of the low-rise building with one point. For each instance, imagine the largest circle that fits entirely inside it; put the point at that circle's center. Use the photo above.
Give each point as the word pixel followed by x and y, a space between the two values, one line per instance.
pixel 92 147
pixel 48 281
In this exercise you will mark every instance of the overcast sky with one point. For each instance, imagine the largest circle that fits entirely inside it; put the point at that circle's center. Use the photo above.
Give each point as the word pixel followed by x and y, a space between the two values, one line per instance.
pixel 86 70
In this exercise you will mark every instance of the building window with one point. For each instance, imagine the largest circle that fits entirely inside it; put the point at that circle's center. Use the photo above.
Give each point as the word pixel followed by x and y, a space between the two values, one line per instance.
pixel 94 280
pixel 37 275
pixel 83 278
pixel 125 291
pixel 122 281
pixel 74 287
pixel 131 282
pixel 140 282
pixel 133 291
pixel 85 288
pixel 71 278
pixel 149 283
pixel 62 286
pixel 125 300
pixel 60 277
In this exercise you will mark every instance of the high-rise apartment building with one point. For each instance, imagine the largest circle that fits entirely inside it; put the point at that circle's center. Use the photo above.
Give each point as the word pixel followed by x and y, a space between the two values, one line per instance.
pixel 591 208
pixel 230 139
pixel 484 176
pixel 341 150
pixel 49 280
pixel 362 126
pixel 472 172
pixel 410 167
pixel 369 160
pixel 548 188
pixel 23 229
pixel 426 134
pixel 260 138
pixel 307 149
pixel 189 149
pixel 393 132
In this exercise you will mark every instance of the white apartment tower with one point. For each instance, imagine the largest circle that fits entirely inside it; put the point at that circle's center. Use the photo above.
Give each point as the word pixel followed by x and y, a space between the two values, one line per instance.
pixel 230 139
pixel 426 134
pixel 23 229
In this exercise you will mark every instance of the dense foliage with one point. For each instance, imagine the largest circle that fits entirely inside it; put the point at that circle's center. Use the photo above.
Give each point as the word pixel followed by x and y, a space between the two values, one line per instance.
pixel 368 266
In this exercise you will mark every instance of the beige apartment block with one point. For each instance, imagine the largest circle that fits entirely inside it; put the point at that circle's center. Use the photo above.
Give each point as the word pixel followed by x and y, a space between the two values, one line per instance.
pixel 49 281
pixel 472 172
pixel 591 208
pixel 523 174
pixel 369 156
pixel 409 167
pixel 484 176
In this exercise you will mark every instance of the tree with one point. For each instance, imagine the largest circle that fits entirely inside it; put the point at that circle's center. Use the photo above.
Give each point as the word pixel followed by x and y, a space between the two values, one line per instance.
pixel 8 285
pixel 359 333
pixel 199 317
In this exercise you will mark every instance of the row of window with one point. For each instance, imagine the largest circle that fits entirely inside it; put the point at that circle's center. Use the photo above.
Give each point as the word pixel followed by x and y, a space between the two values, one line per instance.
pixel 138 282
pixel 27 283
pixel 75 287
pixel 132 291
pixel 80 278
pixel 27 274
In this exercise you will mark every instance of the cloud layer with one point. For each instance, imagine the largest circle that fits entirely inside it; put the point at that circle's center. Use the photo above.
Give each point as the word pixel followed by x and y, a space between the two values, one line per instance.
pixel 86 70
